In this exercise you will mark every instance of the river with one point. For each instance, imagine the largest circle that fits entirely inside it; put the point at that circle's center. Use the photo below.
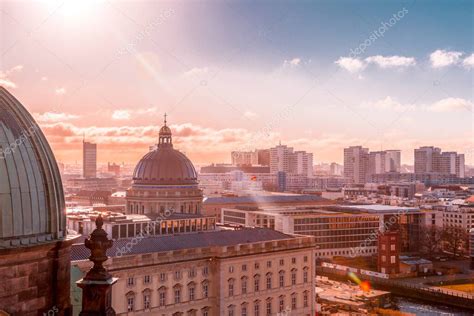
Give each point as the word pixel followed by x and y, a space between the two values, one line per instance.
pixel 421 308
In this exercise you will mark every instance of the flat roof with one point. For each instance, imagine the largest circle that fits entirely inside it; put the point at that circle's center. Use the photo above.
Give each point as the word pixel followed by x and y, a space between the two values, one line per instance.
pixel 379 208
pixel 185 241
pixel 287 198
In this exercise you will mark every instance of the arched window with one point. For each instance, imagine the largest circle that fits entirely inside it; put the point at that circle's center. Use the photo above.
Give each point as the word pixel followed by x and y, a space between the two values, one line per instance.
pixel 162 296
pixel 294 302
pixel 293 276
pixel 256 308
pixel 177 293
pixel 205 311
pixel 130 299
pixel 268 304
pixel 230 284
pixel 191 291
pixel 256 283
pixel 231 310
pixel 281 303
pixel 281 278
pixel 244 309
pixel 305 274
pixel 146 299
pixel 243 283
pixel 305 299
pixel 269 280
pixel 205 288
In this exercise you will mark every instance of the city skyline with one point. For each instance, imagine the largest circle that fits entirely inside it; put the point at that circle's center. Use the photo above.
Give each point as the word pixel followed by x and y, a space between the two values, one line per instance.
pixel 338 85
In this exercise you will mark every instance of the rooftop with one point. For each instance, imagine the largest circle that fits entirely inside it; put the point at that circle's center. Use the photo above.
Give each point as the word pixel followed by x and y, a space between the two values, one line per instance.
pixel 186 241
pixel 265 199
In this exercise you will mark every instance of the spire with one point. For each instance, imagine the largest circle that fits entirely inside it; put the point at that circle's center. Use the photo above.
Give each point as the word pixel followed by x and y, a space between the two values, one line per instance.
pixel 165 118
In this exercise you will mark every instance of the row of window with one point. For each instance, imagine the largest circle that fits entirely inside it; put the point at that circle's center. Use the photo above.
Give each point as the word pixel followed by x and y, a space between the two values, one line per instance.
pixel 147 279
pixel 269 281
pixel 268 305
pixel 269 263
pixel 177 292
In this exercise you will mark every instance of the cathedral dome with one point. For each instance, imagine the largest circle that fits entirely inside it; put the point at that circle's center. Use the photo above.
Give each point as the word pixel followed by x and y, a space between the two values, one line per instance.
pixel 165 165
pixel 32 208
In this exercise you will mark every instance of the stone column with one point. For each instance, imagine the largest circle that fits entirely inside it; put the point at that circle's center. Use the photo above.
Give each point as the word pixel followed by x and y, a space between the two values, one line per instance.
pixel 97 284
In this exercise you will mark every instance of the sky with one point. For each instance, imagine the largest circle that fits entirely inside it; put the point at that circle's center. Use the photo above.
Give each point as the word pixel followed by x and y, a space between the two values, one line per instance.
pixel 318 76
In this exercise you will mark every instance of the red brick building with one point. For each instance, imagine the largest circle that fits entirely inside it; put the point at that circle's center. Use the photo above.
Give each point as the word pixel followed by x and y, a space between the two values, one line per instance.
pixel 389 252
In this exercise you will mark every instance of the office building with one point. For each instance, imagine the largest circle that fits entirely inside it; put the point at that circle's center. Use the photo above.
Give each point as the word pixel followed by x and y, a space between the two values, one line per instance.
pixel 89 160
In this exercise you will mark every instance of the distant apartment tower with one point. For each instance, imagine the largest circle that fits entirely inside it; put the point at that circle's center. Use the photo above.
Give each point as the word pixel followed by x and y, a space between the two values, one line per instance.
pixel 244 158
pixel 89 160
pixel 263 156
pixel 280 157
pixel 384 161
pixel 356 164
pixel 284 159
pixel 425 159
pixel 336 169
pixel 430 159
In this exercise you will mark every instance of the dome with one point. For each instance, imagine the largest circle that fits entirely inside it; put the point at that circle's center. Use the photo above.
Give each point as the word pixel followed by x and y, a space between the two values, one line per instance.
pixel 165 165
pixel 32 208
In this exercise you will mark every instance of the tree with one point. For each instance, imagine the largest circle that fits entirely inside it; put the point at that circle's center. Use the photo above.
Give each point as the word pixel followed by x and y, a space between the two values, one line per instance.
pixel 431 238
pixel 455 239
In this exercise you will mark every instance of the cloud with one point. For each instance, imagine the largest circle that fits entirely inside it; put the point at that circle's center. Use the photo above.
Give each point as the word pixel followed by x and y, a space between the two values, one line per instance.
pixel 44 78
pixel 250 115
pixel 442 58
pixel 5 81
pixel 292 63
pixel 121 115
pixel 391 61
pixel 60 91
pixel 451 104
pixel 388 103
pixel 196 71
pixel 50 117
pixel 469 61
pixel 350 64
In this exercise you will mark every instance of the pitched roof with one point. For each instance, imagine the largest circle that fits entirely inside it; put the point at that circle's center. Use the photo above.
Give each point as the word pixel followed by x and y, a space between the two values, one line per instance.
pixel 185 241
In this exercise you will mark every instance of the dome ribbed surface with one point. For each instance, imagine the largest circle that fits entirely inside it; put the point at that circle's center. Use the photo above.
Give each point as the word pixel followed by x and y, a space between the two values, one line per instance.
pixel 32 208
pixel 165 166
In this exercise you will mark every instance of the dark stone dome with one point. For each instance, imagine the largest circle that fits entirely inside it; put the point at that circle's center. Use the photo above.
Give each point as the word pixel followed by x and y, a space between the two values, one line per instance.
pixel 165 165
pixel 32 208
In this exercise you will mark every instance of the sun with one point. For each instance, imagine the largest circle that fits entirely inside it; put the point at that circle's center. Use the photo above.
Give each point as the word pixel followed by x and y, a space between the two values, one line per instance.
pixel 74 9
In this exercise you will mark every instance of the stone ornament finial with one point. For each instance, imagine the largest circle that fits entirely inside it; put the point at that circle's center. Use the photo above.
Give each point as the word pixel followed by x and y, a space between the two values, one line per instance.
pixel 98 243
pixel 97 284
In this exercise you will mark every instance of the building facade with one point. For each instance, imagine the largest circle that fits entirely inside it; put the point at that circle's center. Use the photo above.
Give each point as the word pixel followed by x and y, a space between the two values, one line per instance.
pixel 356 164
pixel 89 160
pixel 430 159
pixel 34 245
pixel 244 272
pixel 164 179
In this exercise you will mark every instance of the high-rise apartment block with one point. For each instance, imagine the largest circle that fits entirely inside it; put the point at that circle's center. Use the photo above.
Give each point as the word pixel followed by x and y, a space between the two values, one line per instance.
pixel 257 157
pixel 89 160
pixel 285 159
pixel 384 161
pixel 356 164
pixel 430 159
